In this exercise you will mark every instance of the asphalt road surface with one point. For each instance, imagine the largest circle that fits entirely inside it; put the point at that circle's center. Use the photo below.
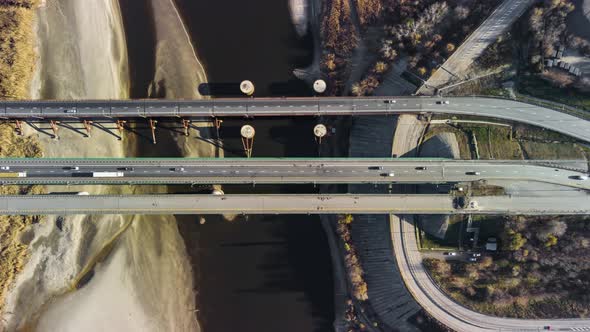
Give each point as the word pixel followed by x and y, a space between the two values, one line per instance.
pixel 486 34
pixel 443 308
pixel 242 170
pixel 485 107
pixel 284 204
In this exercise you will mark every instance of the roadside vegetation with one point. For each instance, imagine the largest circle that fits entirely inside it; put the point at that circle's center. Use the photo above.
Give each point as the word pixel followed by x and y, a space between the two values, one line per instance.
pixel 351 260
pixel 539 272
pixel 17 61
pixel 423 32
pixel 516 142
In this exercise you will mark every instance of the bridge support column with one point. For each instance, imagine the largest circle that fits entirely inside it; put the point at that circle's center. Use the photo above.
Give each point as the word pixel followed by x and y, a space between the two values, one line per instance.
pixel 247 132
pixel 18 127
pixel 186 124
pixel 121 127
pixel 217 123
pixel 54 128
pixel 88 126
pixel 153 128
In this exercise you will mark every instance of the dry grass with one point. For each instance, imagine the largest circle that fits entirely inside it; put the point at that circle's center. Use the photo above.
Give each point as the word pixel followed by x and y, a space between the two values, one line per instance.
pixel 17 57
pixel 17 60
pixel 494 143
pixel 535 150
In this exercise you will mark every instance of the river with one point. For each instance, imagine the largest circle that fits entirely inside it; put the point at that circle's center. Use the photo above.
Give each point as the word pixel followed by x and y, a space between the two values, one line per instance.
pixel 266 274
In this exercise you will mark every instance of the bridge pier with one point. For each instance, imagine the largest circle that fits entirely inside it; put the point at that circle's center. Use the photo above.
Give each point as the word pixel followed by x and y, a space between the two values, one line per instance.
pixel 153 128
pixel 88 126
pixel 247 132
pixel 186 125
pixel 18 127
pixel 121 127
pixel 54 128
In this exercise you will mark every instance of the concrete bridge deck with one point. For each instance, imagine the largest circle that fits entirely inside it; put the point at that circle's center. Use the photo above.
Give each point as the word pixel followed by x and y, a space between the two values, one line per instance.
pixel 288 170
pixel 476 106
pixel 286 204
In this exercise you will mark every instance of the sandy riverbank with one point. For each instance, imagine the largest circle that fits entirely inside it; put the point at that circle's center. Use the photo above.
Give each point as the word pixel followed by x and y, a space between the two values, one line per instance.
pixel 143 281
pixel 16 69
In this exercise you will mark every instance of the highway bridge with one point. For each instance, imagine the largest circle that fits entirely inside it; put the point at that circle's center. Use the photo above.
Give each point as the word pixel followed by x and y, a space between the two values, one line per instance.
pixel 285 170
pixel 254 107
pixel 287 204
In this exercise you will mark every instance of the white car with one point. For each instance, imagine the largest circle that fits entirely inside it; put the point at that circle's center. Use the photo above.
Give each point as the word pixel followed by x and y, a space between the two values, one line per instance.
pixel 581 177
pixel 443 102
pixel 5 168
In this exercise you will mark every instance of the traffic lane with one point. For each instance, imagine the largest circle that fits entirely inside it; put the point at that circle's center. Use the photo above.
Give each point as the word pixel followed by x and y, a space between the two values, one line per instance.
pixel 387 174
pixel 212 204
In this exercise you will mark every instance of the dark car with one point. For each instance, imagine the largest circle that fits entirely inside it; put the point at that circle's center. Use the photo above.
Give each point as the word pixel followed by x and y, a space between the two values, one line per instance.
pixel 472 173
pixel 421 168
pixel 390 101
pixel 375 168
pixel 125 169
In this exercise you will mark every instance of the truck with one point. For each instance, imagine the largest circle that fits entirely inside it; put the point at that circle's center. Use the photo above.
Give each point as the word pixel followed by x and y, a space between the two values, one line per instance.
pixel 13 175
pixel 107 174
pixel 97 174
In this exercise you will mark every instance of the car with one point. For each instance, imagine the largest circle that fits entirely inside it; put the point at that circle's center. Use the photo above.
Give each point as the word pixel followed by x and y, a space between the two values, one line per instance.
pixel 443 102
pixel 70 111
pixel 177 169
pixel 5 168
pixel 125 169
pixel 472 259
pixel 476 254
pixel 472 173
pixel 421 168
pixel 581 177
pixel 72 168
pixel 547 327
pixel 376 168
pixel 451 253
pixel 388 174
pixel 390 101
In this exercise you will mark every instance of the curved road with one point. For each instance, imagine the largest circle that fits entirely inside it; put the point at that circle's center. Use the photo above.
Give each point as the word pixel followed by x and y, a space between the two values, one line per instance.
pixel 443 308
pixel 244 107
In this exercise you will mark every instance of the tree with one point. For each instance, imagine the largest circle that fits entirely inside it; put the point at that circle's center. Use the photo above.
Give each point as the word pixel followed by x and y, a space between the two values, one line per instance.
pixel 380 67
pixel 357 89
pixel 551 241
pixel 551 227
pixel 421 71
pixel 450 47
pixel 330 61
pixel 388 52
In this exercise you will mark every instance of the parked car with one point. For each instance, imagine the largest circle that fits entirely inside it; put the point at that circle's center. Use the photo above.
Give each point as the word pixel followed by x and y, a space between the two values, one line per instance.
pixel 5 168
